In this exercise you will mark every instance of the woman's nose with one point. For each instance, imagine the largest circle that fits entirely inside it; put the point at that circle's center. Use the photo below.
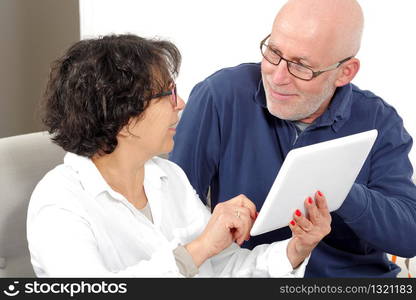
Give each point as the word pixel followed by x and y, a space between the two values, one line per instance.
pixel 180 104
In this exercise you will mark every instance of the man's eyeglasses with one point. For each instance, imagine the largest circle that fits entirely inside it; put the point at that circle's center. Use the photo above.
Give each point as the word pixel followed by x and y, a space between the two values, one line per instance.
pixel 173 98
pixel 296 69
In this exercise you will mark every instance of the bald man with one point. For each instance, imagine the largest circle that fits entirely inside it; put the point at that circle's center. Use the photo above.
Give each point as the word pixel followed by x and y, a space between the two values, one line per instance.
pixel 240 123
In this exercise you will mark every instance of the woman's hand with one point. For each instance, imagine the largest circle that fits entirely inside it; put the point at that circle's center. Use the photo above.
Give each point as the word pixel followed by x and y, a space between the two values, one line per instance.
pixel 308 230
pixel 231 221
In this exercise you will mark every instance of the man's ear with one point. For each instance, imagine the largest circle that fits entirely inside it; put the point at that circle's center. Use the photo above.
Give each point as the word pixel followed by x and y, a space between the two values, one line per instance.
pixel 347 72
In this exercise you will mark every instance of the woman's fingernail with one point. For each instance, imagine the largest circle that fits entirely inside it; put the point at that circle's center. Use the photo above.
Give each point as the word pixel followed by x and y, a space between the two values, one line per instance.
pixel 298 213
pixel 310 200
pixel 320 194
pixel 293 223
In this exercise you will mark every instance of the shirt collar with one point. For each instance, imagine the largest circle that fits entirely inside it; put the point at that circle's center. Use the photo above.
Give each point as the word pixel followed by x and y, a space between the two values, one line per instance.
pixel 260 95
pixel 337 113
pixel 153 173
pixel 339 109
pixel 95 184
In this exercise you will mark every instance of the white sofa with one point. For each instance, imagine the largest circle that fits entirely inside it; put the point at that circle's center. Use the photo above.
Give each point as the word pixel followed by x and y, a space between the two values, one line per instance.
pixel 24 160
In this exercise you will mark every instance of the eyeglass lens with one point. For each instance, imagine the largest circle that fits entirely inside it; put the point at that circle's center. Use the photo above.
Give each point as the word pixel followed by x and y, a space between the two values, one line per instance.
pixel 295 69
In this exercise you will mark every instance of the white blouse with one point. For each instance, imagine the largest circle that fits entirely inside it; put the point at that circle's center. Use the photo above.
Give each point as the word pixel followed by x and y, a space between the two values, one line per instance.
pixel 77 226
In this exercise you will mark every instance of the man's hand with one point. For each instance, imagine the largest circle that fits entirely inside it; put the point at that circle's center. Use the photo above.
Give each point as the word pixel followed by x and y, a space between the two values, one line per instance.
pixel 308 230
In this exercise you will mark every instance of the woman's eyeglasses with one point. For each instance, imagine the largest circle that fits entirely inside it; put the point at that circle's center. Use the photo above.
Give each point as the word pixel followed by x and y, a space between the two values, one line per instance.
pixel 173 98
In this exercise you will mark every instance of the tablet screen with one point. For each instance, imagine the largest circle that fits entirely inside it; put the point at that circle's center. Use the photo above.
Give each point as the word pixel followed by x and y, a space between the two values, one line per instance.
pixel 330 167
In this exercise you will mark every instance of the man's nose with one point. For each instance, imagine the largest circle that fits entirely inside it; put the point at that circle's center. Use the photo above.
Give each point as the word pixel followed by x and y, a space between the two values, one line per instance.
pixel 281 73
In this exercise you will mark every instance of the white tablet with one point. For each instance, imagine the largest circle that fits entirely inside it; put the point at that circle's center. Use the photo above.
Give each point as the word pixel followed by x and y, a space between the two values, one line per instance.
pixel 330 167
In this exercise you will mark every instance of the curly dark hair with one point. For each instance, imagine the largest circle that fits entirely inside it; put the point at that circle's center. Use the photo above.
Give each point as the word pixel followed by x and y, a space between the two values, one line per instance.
pixel 100 84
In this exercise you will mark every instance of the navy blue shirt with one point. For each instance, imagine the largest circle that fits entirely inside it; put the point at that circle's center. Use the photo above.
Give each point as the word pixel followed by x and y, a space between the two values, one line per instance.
pixel 227 140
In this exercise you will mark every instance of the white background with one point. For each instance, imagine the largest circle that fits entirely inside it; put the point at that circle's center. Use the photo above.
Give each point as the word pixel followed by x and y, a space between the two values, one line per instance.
pixel 221 33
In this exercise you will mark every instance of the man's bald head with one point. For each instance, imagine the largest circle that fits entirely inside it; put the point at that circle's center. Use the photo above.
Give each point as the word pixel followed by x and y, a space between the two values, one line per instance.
pixel 316 34
pixel 334 26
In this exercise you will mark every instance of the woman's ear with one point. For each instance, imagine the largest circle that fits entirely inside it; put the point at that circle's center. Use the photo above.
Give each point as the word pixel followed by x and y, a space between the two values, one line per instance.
pixel 124 132
pixel 126 129
pixel 347 72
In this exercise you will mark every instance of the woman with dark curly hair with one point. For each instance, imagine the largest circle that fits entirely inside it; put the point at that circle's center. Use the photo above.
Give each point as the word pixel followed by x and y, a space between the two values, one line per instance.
pixel 114 208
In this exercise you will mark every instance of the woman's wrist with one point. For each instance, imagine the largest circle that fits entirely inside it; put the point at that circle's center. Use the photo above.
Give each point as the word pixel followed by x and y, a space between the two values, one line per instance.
pixel 295 258
pixel 198 250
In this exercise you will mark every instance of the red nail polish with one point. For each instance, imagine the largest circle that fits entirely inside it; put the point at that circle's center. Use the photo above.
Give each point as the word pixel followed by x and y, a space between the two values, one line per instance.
pixel 298 213
pixel 320 194
pixel 310 200
pixel 293 223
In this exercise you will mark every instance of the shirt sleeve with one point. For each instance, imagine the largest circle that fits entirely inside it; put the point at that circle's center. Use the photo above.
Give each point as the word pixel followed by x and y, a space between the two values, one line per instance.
pixel 198 139
pixel 383 211
pixel 268 260
pixel 185 262
pixel 62 244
